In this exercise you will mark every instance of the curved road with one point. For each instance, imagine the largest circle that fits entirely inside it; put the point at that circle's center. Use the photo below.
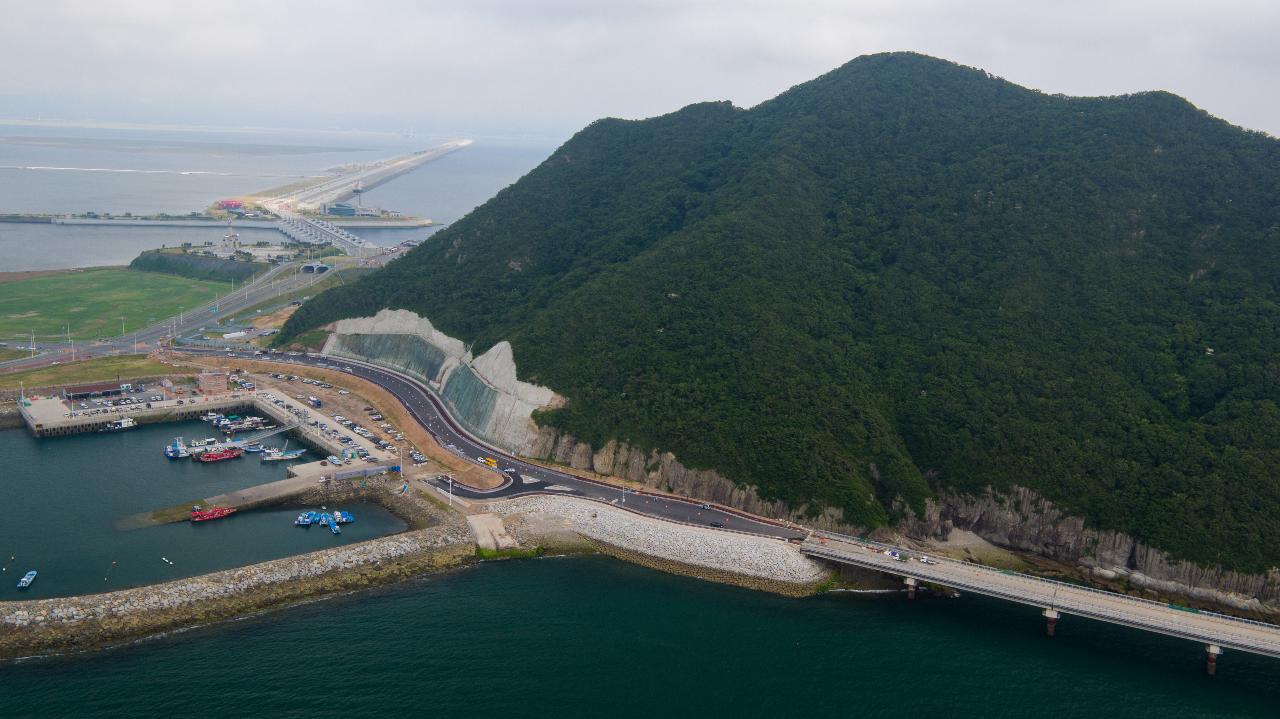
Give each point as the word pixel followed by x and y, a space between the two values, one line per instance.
pixel 523 477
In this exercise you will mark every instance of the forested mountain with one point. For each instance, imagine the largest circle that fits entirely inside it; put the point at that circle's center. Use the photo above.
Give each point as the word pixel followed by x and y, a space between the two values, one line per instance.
pixel 902 275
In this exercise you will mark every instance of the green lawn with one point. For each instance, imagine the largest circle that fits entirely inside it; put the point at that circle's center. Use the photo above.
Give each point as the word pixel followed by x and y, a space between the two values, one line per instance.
pixel 92 302
pixel 94 370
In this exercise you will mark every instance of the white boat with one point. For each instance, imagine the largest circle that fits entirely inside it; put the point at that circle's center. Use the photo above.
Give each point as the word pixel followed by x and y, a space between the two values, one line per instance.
pixel 120 424
pixel 176 450
pixel 202 442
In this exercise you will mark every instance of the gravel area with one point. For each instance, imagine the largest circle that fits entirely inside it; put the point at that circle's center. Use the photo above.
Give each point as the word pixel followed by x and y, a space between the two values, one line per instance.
pixel 696 546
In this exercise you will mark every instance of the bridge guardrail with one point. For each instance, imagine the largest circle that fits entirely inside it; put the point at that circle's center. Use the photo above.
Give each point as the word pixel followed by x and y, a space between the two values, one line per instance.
pixel 1045 581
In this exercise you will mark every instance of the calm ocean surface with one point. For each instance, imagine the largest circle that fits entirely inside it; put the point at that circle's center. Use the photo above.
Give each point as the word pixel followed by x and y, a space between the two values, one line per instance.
pixel 62 496
pixel 78 170
pixel 589 636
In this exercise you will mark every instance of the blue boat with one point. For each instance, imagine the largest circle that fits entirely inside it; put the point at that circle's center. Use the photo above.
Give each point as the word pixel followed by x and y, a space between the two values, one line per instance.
pixel 326 519
pixel 255 447
pixel 27 579
pixel 176 450
pixel 343 517
pixel 333 527
pixel 303 520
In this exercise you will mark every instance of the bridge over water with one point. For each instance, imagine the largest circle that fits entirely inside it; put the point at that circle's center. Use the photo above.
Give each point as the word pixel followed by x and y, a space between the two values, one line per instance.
pixel 1215 631
pixel 317 232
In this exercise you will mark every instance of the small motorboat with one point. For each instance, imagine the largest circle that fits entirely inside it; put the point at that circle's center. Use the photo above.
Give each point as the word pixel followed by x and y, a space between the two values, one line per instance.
pixel 27 579
pixel 303 520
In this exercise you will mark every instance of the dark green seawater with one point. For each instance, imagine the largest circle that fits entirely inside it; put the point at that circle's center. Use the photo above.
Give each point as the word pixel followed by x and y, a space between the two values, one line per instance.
pixel 61 497
pixel 589 636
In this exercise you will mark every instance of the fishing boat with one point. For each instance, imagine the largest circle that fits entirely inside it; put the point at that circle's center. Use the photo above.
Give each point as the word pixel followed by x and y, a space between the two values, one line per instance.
pixel 303 520
pixel 333 527
pixel 211 417
pixel 27 579
pixel 204 515
pixel 326 519
pixel 343 517
pixel 119 425
pixel 202 442
pixel 176 450
pixel 217 455
pixel 255 447
pixel 280 455
pixel 276 455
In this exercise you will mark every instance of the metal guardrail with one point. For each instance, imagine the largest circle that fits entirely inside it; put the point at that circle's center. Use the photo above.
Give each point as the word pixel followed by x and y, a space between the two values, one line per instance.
pixel 1222 636
pixel 1043 580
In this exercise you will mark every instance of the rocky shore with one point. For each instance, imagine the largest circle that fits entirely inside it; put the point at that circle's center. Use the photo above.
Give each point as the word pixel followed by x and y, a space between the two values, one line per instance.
pixel 741 559
pixel 85 622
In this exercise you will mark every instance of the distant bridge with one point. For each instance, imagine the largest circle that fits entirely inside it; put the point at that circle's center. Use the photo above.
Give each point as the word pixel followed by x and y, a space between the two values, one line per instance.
pixel 310 231
pixel 1216 631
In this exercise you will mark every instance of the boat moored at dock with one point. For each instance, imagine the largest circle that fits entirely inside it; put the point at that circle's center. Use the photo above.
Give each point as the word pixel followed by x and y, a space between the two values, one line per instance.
pixel 119 425
pixel 176 449
pixel 204 515
pixel 217 455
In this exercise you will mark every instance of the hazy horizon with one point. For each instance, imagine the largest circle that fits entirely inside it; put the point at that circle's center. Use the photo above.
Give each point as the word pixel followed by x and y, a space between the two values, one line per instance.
pixel 541 71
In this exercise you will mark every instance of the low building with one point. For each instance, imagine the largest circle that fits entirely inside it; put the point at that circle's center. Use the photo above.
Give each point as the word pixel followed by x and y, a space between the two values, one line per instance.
pixel 93 389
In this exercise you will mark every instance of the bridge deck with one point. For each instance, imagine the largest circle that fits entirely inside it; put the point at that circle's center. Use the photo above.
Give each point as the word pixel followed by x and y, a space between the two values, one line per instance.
pixel 1207 627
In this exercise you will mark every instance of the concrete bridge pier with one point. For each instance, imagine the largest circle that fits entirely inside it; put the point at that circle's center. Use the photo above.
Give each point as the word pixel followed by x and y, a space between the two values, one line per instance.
pixel 1211 652
pixel 911 583
pixel 1050 620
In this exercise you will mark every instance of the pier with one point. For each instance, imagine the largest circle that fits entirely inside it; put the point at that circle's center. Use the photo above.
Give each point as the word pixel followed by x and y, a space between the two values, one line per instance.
pixel 1056 599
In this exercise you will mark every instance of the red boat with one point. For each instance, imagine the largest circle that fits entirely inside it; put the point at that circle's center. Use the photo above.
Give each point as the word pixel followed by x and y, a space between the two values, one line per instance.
pixel 221 454
pixel 202 515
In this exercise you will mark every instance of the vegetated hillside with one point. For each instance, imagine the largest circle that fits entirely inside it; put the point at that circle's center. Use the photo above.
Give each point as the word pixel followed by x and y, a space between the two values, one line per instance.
pixel 903 275
pixel 199 267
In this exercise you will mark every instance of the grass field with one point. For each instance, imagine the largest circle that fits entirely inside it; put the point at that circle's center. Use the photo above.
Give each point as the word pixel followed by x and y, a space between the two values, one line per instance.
pixel 94 370
pixel 8 354
pixel 92 302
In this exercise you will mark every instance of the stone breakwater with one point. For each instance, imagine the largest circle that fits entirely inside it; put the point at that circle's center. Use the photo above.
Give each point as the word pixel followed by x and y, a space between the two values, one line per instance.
pixel 747 560
pixel 73 623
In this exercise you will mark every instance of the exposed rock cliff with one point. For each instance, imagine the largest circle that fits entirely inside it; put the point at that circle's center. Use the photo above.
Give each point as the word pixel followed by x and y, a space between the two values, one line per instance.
pixel 661 470
pixel 483 391
pixel 1023 520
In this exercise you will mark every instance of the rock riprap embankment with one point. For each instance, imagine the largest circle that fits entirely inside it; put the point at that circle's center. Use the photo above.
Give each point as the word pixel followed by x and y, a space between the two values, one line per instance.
pixel 103 616
pixel 715 550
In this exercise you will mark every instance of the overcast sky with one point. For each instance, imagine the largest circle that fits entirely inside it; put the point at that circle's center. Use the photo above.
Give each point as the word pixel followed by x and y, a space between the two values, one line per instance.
pixel 545 69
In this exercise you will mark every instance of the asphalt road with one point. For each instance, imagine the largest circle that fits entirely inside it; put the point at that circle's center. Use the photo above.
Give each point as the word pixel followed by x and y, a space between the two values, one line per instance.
pixel 523 477
pixel 276 281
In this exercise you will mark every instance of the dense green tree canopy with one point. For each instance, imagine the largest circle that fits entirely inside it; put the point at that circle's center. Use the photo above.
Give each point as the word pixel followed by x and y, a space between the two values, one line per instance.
pixel 903 275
